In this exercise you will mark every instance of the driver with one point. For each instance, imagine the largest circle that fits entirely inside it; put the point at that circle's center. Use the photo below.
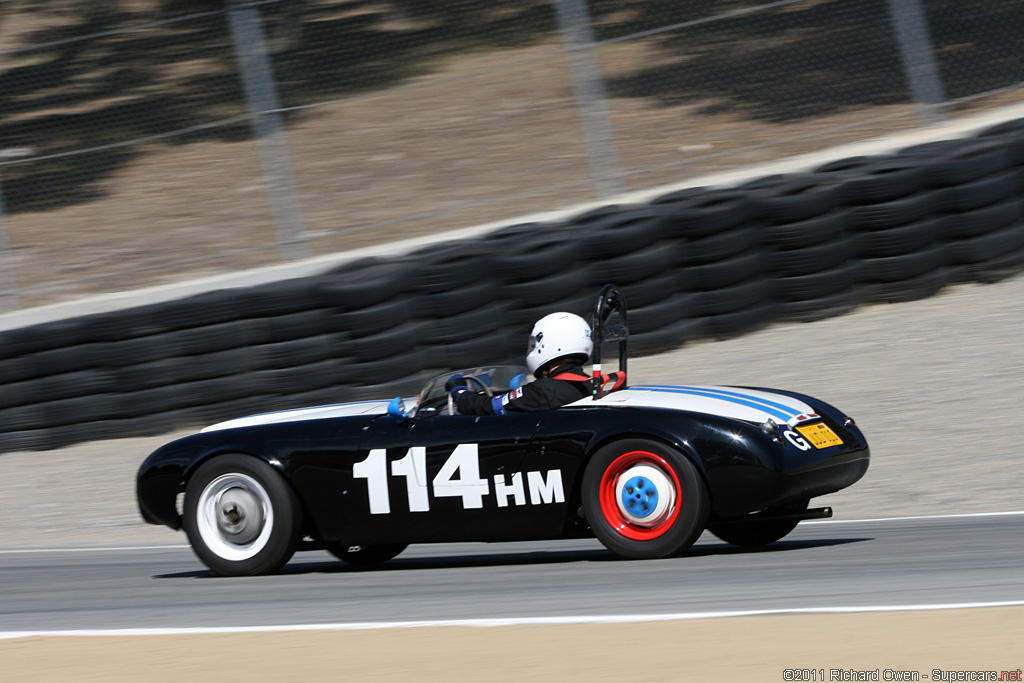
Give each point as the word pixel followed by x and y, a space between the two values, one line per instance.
pixel 559 346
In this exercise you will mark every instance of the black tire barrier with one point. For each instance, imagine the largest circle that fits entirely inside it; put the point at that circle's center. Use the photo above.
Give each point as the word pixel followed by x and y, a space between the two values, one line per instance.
pixel 545 290
pixel 663 314
pixel 499 345
pixel 445 267
pixel 751 294
pixel 920 286
pixel 671 337
pixel 727 272
pixel 980 221
pixel 786 199
pixel 909 209
pixel 408 386
pixel 76 384
pixel 375 319
pixel 700 212
pixel 526 258
pixel 388 369
pixel 999 268
pixel 580 302
pixel 297 352
pixel 591 216
pixel 978 193
pixel 821 307
pixel 634 266
pixel 211 338
pixel 1011 129
pixel 720 246
pixel 302 379
pixel 986 247
pixel 653 289
pixel 611 236
pixel 212 413
pixel 131 352
pixel 300 324
pixel 817 285
pixel 806 233
pixel 873 180
pixel 365 283
pixel 42 337
pixel 19 393
pixel 905 266
pixel 397 340
pixel 446 304
pixel 693 264
pixel 902 239
pixel 160 373
pixel 465 325
pixel 956 162
pixel 811 259
pixel 736 323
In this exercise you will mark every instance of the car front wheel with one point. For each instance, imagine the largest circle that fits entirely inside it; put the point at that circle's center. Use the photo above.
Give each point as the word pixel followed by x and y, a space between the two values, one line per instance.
pixel 241 516
pixel 644 499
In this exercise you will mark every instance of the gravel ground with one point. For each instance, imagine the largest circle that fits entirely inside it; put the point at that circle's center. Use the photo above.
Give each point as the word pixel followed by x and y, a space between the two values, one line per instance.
pixel 932 383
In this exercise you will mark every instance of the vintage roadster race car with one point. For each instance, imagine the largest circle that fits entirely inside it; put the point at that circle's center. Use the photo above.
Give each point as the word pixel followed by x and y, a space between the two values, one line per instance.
pixel 646 469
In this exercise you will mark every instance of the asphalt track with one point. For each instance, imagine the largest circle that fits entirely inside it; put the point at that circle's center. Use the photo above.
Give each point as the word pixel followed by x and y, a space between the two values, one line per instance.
pixel 824 566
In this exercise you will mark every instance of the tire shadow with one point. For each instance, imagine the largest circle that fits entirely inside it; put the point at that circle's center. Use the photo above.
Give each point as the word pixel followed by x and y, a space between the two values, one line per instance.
pixel 324 565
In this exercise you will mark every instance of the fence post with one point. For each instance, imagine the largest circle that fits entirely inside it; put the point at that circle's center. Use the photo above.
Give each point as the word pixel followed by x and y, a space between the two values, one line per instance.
pixel 268 128
pixel 918 59
pixel 591 99
pixel 9 300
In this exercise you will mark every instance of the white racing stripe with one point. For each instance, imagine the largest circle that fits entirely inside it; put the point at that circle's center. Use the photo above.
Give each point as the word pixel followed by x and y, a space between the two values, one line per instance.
pixel 514 621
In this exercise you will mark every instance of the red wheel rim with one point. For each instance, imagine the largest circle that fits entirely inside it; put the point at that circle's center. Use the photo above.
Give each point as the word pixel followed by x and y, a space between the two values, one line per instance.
pixel 608 495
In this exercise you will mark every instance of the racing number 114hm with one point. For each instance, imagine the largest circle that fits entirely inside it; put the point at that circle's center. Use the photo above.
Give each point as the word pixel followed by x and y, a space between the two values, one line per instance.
pixel 459 477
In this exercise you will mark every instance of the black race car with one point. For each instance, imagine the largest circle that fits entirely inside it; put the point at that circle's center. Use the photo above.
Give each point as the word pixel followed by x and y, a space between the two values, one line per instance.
pixel 645 469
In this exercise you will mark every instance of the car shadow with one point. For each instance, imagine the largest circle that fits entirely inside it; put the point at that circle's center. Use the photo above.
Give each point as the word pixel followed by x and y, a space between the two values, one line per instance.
pixel 323 565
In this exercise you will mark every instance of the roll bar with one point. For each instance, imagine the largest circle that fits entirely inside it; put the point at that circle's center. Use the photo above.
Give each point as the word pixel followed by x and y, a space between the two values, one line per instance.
pixel 609 301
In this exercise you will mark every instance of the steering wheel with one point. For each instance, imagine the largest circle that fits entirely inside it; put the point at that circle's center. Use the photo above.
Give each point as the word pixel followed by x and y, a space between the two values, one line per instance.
pixel 469 380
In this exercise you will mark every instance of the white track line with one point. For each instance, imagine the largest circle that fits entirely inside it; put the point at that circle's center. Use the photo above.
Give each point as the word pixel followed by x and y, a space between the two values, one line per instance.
pixel 520 621
pixel 869 520
pixel 26 551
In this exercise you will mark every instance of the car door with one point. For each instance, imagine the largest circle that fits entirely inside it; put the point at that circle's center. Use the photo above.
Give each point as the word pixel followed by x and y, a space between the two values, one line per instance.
pixel 445 478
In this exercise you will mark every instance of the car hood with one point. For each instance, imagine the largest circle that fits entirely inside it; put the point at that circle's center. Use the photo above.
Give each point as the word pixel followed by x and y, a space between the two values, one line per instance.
pixel 751 405
pixel 317 413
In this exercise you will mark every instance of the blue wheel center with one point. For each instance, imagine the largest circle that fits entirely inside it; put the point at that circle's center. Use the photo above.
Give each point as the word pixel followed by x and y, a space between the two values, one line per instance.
pixel 639 496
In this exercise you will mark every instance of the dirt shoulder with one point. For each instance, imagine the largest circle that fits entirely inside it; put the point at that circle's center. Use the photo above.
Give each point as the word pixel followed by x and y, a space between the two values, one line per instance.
pixel 740 649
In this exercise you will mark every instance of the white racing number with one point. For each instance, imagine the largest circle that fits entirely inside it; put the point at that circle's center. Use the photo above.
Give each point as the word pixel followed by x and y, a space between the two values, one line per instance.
pixel 459 477
pixel 797 440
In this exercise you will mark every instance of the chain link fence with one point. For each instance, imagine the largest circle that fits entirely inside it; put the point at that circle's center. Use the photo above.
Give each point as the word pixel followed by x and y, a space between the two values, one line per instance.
pixel 145 142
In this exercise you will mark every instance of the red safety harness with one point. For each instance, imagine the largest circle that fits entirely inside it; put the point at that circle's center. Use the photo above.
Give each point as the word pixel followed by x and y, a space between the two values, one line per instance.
pixel 618 379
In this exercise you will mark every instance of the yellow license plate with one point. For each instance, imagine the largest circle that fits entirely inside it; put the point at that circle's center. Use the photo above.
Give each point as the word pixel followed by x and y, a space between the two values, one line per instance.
pixel 820 435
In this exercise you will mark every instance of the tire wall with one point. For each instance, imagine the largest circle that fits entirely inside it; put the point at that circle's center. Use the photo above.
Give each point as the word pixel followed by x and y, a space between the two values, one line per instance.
pixel 699 263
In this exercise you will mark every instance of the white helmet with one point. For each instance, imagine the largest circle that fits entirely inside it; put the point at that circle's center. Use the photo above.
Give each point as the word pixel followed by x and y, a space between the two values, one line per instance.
pixel 558 335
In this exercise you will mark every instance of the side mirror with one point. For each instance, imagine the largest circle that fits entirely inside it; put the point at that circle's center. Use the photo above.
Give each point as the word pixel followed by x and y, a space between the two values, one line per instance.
pixel 396 409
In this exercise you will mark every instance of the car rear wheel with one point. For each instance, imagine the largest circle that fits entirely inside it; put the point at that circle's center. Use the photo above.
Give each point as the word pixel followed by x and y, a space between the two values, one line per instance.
pixel 643 499
pixel 366 555
pixel 752 534
pixel 240 516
